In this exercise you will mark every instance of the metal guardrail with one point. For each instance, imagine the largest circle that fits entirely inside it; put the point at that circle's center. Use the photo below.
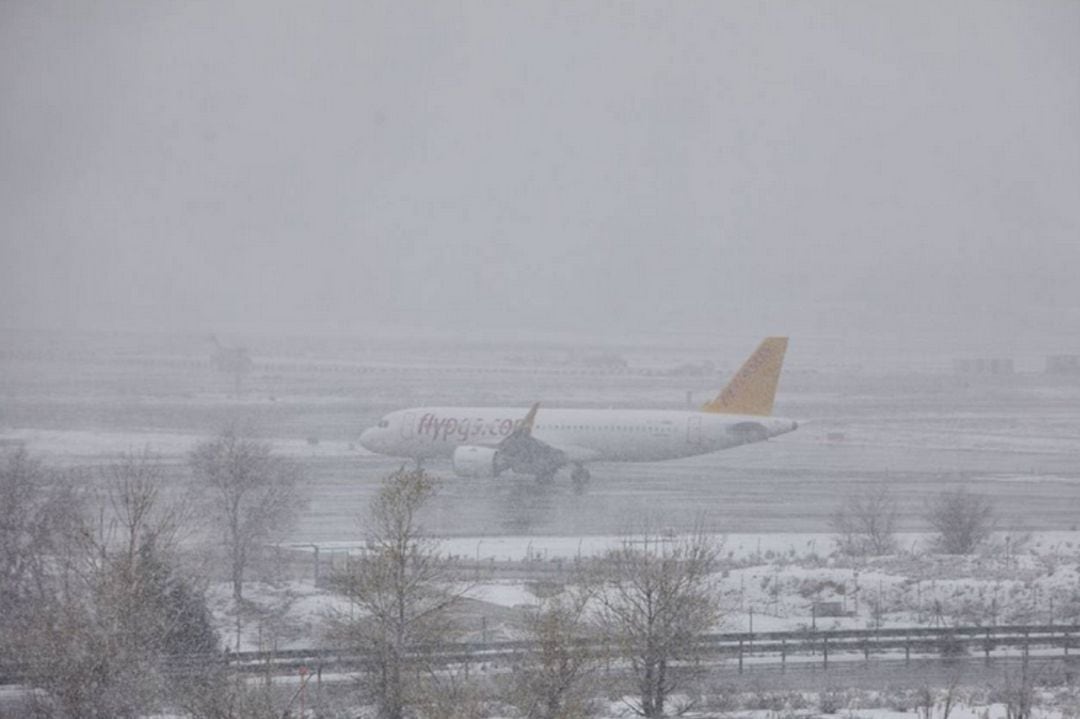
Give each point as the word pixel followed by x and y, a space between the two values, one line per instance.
pixel 778 646
pixel 762 647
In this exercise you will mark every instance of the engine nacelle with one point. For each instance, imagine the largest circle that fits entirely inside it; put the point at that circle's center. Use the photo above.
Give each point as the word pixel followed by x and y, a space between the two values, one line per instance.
pixel 471 461
pixel 747 432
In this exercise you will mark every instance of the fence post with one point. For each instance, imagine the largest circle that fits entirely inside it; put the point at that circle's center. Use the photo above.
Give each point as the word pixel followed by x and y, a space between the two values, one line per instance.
pixel 783 655
pixel 986 648
pixel 740 655
pixel 825 652
pixel 907 650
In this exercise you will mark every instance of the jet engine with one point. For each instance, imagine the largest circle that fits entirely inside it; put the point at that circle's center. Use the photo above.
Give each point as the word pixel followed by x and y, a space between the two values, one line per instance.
pixel 747 432
pixel 471 461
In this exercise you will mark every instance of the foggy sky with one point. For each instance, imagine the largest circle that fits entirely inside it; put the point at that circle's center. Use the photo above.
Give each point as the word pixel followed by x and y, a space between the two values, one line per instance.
pixel 775 167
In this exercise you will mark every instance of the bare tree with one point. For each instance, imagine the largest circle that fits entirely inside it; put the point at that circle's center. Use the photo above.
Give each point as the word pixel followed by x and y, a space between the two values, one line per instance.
pixel 404 591
pixel 659 596
pixel 866 523
pixel 25 540
pixel 961 520
pixel 254 495
pixel 136 512
pixel 557 678
pixel 119 609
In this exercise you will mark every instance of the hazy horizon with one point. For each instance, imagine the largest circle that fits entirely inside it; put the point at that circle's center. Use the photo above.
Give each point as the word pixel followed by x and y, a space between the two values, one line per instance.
pixel 753 168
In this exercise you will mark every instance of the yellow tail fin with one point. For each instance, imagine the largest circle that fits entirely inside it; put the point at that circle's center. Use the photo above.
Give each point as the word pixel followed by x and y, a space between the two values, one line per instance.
pixel 752 389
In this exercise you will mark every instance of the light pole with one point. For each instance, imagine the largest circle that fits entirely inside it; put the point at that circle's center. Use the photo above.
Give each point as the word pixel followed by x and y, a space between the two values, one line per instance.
pixel 315 548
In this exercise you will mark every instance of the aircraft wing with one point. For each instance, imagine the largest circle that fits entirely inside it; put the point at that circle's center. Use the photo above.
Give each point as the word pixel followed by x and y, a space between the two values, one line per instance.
pixel 526 454
pixel 573 453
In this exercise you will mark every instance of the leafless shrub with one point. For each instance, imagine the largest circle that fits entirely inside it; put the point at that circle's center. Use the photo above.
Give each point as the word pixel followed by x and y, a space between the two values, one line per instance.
pixel 865 523
pixel 762 697
pixel 830 701
pixel 221 696
pixel 451 695
pixel 899 699
pixel 962 520
pixel 721 699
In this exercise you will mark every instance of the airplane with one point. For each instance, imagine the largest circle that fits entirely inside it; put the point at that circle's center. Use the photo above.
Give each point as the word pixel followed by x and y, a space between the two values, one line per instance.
pixel 487 441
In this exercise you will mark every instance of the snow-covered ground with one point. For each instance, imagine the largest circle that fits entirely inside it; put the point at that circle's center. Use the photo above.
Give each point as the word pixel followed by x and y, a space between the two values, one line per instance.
pixel 735 546
pixel 772 582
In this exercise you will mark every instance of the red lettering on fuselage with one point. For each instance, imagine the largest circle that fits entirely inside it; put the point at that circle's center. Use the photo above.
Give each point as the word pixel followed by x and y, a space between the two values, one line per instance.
pixel 463 429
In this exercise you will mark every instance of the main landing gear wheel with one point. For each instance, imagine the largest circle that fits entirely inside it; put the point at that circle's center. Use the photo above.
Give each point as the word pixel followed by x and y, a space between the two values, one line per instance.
pixel 579 476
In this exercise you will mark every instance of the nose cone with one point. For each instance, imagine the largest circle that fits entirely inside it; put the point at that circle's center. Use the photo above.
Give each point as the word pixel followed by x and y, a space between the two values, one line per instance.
pixel 369 439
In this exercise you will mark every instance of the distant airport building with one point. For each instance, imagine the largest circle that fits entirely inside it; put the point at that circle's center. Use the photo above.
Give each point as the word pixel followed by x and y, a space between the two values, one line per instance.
pixel 1063 364
pixel 983 366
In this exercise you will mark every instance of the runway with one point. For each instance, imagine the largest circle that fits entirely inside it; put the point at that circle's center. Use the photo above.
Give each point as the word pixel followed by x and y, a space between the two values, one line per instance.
pixel 1015 438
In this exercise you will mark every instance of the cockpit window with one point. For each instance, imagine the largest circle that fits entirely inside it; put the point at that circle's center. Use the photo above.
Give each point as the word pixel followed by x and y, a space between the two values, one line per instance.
pixel 384 423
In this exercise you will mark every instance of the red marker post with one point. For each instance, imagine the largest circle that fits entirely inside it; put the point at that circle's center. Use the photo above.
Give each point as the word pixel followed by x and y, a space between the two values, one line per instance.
pixel 304 671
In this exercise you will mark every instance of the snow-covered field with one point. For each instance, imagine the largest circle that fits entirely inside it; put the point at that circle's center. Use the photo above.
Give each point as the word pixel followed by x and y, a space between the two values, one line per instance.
pixel 769 583
pixel 772 582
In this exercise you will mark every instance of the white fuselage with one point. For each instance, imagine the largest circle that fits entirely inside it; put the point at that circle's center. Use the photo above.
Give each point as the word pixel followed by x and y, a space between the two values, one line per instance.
pixel 584 435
